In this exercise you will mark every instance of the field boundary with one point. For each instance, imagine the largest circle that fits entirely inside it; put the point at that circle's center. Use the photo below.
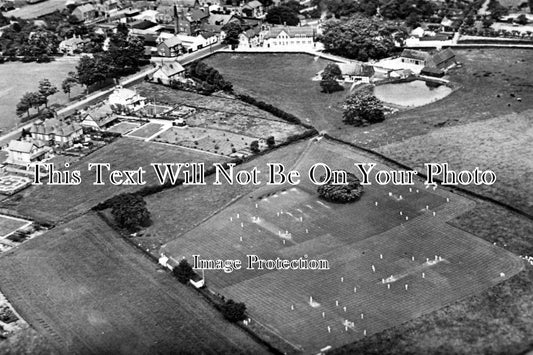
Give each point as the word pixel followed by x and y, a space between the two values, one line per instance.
pixel 453 188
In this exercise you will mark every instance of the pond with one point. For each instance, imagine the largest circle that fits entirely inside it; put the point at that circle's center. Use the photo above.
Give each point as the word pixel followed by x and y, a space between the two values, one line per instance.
pixel 411 94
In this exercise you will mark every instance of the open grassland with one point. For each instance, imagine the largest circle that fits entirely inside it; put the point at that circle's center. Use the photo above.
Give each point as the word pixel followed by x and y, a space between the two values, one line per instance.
pixel 283 80
pixel 496 321
pixel 502 144
pixel 403 242
pixel 88 291
pixel 180 209
pixel 55 203
pixel 18 78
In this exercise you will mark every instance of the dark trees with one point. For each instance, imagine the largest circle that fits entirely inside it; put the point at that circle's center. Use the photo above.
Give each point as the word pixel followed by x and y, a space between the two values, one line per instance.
pixel 363 108
pixel 130 212
pixel 234 311
pixel 183 272
pixel 341 193
pixel 282 15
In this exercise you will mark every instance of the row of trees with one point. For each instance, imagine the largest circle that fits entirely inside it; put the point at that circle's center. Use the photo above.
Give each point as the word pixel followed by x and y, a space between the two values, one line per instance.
pixel 362 38
pixel 37 98
pixel 209 78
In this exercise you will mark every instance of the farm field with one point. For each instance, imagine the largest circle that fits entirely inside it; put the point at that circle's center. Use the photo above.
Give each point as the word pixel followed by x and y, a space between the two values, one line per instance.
pixel 10 224
pixel 36 10
pixel 404 240
pixel 56 203
pixel 27 77
pixel 147 130
pixel 88 291
pixel 501 144
pixel 123 127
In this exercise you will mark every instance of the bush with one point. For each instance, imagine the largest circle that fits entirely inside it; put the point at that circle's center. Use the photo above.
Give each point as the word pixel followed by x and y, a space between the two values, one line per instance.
pixel 234 311
pixel 341 193
pixel 271 141
pixel 130 212
pixel 254 146
pixel 183 271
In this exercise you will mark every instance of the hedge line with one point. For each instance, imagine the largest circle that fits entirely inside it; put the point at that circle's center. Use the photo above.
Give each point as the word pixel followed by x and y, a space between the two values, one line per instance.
pixel 269 108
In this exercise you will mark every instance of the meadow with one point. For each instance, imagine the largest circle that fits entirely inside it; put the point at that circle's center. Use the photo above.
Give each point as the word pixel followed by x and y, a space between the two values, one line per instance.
pixel 19 78
pixel 393 233
pixel 88 291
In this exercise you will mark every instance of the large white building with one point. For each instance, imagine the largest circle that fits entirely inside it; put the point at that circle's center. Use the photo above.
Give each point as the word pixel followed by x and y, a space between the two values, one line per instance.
pixel 290 37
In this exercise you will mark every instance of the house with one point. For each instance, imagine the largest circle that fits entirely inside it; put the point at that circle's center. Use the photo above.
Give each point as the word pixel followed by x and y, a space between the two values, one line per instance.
pixel 401 73
pixel 169 71
pixel 53 131
pixel 425 61
pixel 253 9
pixel 411 56
pixel 85 12
pixel 222 19
pixel 250 38
pixel 72 45
pixel 170 47
pixel 98 118
pixel 178 44
pixel 442 59
pixel 290 36
pixel 126 99
pixel 354 71
pixel 24 152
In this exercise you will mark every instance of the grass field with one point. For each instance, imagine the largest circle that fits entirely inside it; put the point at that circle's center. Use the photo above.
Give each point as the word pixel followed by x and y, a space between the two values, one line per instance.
pixel 88 291
pixel 354 238
pixel 55 203
pixel 19 78
pixel 147 130
pixel 9 225
pixel 36 10
pixel 500 144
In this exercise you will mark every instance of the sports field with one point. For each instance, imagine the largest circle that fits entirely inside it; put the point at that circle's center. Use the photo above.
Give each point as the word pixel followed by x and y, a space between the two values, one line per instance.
pixel 389 262
pixel 56 203
pixel 89 292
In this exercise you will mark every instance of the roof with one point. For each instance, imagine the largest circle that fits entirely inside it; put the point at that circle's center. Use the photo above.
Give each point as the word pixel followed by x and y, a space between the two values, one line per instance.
pixel 20 146
pixel 122 94
pixel 291 31
pixel 431 70
pixel 198 14
pixel 172 42
pixel 252 5
pixel 414 54
pixel 356 69
pixel 252 32
pixel 171 69
pixel 73 41
pixel 442 56
pixel 86 8
pixel 143 25
pixel 187 3
pixel 219 19
pixel 54 126
pixel 101 114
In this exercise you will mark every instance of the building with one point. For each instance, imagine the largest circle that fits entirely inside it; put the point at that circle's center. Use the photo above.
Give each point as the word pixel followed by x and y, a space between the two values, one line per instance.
pixel 253 9
pixel 441 60
pixel 98 117
pixel 170 47
pixel 411 56
pixel 169 71
pixel 85 12
pixel 53 131
pixel 72 45
pixel 290 36
pixel 352 72
pixel 123 99
pixel 250 38
pixel 24 152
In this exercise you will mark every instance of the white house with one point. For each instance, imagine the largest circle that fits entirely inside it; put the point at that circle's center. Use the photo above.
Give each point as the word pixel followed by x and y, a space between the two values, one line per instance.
pixel 54 131
pixel 126 98
pixel 169 71
pixel 24 152
pixel 98 117
pixel 71 45
pixel 290 36
pixel 250 38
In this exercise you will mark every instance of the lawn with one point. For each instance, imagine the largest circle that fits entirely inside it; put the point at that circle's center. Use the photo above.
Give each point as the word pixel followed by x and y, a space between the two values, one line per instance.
pixel 56 203
pixel 9 225
pixel 398 237
pixel 88 291
pixel 501 144
pixel 147 130
pixel 124 127
pixel 19 78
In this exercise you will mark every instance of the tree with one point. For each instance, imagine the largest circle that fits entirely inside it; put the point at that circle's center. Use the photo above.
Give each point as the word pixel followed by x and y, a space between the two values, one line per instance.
pixel 183 272
pixel 330 85
pixel 130 212
pixel 362 108
pixel 24 104
pixel 69 82
pixel 254 146
pixel 521 20
pixel 361 38
pixel 271 141
pixel 46 89
pixel 349 192
pixel 282 15
pixel 332 71
pixel 90 70
pixel 234 311
pixel 232 30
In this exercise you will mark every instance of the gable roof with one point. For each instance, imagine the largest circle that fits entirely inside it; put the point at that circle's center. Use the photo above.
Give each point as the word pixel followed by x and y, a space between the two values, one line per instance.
pixel 171 69
pixel 101 115
pixel 356 69
pixel 291 31
pixel 254 4
pixel 20 146
pixel 86 8
pixel 54 126
pixel 414 54
pixel 220 19
pixel 172 42
pixel 442 56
